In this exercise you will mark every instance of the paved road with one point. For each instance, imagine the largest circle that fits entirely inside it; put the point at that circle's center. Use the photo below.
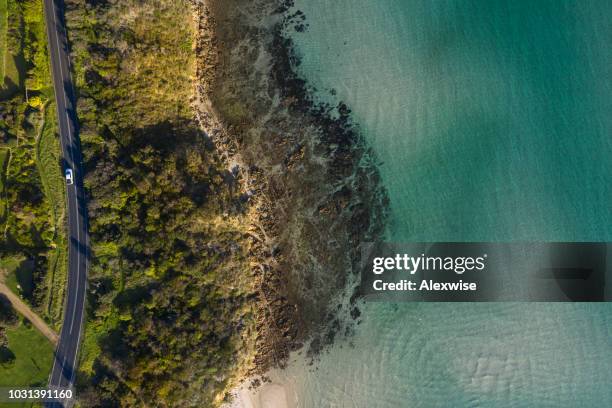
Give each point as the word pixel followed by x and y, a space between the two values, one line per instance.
pixel 64 365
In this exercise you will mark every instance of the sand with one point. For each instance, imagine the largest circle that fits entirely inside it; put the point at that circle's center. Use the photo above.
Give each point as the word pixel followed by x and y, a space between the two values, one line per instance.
pixel 269 395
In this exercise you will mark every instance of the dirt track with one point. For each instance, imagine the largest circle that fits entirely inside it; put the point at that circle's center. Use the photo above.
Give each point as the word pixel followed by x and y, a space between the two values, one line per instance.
pixel 25 310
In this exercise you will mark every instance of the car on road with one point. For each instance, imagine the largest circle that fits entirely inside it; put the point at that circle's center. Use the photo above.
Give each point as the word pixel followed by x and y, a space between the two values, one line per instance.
pixel 69 177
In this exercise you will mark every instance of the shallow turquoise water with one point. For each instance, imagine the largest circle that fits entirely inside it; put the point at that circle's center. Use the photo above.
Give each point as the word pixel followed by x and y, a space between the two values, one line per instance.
pixel 492 120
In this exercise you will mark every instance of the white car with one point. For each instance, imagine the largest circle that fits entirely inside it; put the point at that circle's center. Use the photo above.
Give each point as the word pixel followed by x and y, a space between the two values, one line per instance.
pixel 69 178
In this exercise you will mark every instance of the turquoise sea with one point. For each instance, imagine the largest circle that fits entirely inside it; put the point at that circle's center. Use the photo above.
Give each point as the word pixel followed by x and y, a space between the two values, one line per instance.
pixel 492 121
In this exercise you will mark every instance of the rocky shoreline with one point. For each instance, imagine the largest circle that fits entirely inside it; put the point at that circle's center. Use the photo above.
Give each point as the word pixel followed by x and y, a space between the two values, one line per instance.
pixel 313 190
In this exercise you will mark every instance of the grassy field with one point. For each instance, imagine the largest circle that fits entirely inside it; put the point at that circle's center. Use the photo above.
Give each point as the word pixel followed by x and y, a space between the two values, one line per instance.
pixel 18 274
pixel 33 359
pixel 3 28
pixel 4 156
pixel 13 62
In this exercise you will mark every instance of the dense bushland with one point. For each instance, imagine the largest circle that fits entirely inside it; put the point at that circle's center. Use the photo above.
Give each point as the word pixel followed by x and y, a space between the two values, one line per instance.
pixel 168 317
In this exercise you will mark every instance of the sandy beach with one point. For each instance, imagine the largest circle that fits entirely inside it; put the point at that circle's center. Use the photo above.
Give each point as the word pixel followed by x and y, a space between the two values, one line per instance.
pixel 270 395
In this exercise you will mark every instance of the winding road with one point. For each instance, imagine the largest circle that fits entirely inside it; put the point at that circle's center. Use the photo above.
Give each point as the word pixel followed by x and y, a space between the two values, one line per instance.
pixel 65 362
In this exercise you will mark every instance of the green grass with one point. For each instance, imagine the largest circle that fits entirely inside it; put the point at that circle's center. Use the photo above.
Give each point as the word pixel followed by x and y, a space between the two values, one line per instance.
pixel 11 263
pixel 56 285
pixel 95 331
pixel 13 74
pixel 21 281
pixel 33 359
pixel 3 28
pixel 13 62
pixel 48 162
pixel 4 157
pixel 18 276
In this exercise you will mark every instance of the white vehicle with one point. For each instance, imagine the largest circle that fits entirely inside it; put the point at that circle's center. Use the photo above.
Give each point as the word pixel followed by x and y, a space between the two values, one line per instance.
pixel 69 178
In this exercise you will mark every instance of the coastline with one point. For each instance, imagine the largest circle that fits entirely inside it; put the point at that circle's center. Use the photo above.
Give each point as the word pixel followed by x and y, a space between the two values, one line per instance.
pixel 313 190
pixel 227 206
pixel 269 395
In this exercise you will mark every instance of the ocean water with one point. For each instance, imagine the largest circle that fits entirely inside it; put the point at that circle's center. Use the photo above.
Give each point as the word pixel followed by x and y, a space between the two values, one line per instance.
pixel 491 120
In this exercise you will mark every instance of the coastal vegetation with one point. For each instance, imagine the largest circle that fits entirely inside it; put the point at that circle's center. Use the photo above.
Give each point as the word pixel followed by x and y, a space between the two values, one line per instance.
pixel 170 316
pixel 32 231
pixel 3 30
pixel 198 179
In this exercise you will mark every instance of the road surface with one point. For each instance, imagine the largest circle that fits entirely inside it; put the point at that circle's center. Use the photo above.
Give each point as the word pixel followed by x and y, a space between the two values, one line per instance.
pixel 64 365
